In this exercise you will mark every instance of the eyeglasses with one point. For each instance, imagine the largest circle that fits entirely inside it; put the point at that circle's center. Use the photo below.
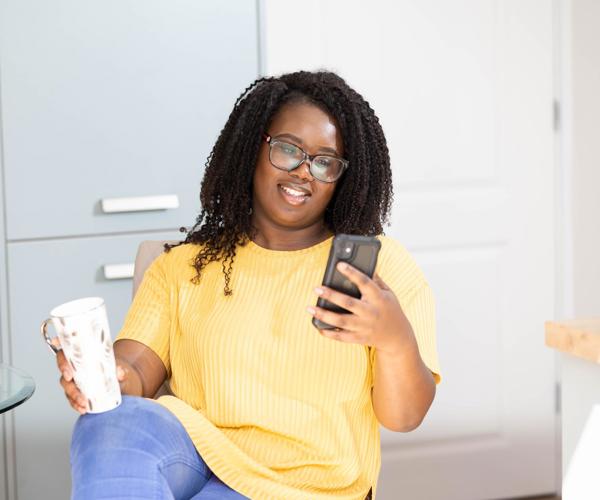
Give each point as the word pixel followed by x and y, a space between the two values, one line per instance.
pixel 286 156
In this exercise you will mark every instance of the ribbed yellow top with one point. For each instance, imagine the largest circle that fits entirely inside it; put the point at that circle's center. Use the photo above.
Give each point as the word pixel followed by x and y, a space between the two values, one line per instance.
pixel 275 409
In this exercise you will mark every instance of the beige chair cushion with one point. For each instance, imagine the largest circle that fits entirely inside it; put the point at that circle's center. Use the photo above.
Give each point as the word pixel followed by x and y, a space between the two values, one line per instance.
pixel 147 252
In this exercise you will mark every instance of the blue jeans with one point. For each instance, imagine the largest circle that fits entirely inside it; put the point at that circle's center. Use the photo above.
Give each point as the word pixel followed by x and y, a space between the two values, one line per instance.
pixel 139 450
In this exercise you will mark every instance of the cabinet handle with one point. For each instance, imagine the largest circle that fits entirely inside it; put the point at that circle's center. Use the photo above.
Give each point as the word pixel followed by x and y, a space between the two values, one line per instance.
pixel 118 271
pixel 139 203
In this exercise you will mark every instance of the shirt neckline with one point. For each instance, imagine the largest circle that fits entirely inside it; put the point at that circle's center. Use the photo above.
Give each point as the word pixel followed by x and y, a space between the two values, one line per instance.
pixel 253 247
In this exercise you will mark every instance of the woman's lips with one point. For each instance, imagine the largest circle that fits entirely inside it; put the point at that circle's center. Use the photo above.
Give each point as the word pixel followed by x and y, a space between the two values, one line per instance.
pixel 292 195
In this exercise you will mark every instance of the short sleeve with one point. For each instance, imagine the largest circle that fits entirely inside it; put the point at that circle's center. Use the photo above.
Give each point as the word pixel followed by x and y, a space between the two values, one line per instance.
pixel 400 272
pixel 420 311
pixel 148 320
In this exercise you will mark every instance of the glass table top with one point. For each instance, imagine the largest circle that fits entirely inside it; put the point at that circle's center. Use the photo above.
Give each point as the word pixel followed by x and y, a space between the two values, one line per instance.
pixel 16 387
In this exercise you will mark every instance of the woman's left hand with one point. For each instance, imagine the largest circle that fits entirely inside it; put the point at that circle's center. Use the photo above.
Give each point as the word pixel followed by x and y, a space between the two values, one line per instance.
pixel 376 318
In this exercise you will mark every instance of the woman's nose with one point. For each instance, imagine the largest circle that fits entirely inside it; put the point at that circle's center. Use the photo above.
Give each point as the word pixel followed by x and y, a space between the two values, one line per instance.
pixel 303 171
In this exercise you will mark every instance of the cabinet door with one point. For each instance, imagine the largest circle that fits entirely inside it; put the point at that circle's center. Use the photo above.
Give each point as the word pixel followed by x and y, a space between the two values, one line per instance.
pixel 115 99
pixel 3 491
pixel 44 274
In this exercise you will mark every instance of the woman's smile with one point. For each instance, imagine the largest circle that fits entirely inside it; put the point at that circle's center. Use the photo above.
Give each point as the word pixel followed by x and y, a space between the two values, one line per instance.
pixel 294 194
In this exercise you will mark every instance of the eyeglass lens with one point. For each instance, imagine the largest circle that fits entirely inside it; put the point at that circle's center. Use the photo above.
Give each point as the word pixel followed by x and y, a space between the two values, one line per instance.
pixel 288 157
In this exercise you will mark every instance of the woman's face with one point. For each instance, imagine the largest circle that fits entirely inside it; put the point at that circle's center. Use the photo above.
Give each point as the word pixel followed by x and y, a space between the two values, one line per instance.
pixel 295 199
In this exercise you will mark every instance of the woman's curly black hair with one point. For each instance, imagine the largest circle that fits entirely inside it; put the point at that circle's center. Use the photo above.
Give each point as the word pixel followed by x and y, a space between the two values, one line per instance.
pixel 363 196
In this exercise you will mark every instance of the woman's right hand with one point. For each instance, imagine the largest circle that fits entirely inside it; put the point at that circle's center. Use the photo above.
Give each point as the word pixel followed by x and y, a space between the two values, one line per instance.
pixel 76 398
pixel 140 372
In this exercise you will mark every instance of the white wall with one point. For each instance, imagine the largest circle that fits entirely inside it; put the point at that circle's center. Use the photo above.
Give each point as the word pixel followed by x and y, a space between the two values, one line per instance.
pixel 464 92
pixel 585 155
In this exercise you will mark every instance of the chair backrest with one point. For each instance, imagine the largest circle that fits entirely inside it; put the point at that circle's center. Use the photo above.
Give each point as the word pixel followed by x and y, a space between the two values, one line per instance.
pixel 147 252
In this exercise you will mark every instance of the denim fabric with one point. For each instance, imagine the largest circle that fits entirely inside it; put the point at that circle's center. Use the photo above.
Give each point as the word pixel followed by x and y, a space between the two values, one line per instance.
pixel 139 450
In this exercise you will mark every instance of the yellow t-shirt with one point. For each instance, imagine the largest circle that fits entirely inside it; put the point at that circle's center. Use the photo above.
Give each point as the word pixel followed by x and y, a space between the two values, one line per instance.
pixel 275 409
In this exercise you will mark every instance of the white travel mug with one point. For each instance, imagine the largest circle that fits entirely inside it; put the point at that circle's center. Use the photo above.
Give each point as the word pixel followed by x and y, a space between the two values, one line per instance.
pixel 84 336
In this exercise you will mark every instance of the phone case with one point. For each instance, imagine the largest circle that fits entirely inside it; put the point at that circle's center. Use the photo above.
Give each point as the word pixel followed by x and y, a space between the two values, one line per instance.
pixel 358 251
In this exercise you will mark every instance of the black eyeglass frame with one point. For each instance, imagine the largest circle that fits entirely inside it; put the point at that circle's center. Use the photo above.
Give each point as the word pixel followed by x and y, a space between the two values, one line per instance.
pixel 269 140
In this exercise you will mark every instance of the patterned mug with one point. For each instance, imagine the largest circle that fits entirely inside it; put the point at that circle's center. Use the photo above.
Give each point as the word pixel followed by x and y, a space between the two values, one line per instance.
pixel 84 337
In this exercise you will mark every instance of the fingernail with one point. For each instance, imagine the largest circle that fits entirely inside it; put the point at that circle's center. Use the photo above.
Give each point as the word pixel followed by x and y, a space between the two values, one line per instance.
pixel 311 310
pixel 342 266
pixel 120 371
pixel 319 291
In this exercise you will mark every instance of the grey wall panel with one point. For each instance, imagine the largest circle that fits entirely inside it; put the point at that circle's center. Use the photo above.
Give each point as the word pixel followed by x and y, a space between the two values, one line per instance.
pixel 111 99
pixel 5 419
pixel 3 481
pixel 44 274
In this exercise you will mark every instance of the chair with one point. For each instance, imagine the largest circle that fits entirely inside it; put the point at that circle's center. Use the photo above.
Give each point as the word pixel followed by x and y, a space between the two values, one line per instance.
pixel 147 252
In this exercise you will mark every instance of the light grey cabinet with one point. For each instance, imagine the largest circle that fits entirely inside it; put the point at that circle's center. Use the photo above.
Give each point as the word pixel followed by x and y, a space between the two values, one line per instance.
pixel 112 99
pixel 44 274
pixel 99 100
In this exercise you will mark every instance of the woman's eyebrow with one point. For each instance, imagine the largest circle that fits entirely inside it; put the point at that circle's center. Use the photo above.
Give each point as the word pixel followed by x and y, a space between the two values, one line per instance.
pixel 299 141
pixel 290 136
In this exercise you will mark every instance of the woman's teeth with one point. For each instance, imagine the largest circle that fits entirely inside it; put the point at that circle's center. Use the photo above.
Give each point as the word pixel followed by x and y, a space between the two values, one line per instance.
pixel 293 192
pixel 294 196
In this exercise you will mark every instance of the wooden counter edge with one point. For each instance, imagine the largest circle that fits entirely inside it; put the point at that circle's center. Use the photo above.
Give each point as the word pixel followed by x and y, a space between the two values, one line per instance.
pixel 579 338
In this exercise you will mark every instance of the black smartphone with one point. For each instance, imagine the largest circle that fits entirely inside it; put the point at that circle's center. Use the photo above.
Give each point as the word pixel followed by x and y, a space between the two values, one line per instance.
pixel 358 251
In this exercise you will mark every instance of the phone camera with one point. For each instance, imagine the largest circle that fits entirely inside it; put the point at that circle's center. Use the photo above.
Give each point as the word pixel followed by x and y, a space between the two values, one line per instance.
pixel 344 251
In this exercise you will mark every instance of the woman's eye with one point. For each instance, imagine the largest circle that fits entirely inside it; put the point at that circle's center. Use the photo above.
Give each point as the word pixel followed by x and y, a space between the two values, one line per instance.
pixel 323 162
pixel 289 150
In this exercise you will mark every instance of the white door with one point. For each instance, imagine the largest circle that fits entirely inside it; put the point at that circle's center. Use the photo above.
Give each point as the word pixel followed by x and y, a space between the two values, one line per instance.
pixel 463 89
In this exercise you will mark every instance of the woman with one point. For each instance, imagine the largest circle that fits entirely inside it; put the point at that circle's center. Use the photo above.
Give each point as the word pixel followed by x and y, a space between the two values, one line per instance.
pixel 264 405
